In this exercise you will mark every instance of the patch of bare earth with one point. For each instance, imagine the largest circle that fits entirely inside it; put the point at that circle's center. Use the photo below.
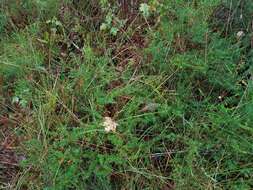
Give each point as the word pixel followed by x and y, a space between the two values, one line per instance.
pixel 9 160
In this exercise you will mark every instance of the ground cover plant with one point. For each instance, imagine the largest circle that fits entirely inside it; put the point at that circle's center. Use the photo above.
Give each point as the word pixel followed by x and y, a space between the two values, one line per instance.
pixel 126 95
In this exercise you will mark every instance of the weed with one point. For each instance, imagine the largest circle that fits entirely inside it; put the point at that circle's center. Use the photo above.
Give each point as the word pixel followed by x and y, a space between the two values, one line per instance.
pixel 161 98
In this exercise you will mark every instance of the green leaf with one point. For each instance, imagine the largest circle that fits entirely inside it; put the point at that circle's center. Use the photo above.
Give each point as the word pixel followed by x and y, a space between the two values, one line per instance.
pixel 103 26
pixel 114 31
pixel 144 9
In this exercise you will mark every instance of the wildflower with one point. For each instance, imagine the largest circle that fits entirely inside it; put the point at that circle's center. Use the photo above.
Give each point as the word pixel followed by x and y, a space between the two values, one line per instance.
pixel 240 34
pixel 109 124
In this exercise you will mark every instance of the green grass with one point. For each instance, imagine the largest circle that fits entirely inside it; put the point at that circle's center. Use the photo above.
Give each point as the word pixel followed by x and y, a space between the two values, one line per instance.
pixel 177 81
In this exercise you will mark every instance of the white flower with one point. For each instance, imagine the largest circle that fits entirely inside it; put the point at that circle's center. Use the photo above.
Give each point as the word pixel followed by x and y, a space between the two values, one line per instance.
pixel 240 34
pixel 109 124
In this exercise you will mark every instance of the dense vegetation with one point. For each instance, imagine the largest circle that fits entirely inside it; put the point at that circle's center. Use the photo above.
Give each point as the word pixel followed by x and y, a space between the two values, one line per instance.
pixel 125 95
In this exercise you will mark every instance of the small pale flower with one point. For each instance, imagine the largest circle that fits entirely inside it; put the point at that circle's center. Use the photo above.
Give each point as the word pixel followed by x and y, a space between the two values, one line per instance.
pixel 240 34
pixel 109 124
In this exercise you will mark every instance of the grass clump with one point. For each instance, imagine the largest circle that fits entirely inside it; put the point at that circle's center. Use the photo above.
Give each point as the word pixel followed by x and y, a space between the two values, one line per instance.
pixel 172 78
pixel 19 55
